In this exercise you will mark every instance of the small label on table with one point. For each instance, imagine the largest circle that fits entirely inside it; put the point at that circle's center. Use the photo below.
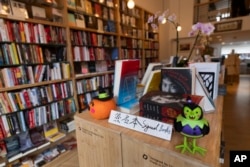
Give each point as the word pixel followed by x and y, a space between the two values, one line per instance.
pixel 141 124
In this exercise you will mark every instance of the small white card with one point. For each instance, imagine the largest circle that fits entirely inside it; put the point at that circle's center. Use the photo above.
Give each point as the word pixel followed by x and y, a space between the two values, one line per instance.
pixel 141 124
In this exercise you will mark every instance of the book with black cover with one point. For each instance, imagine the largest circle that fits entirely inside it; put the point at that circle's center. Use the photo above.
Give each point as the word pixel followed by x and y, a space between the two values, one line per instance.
pixel 178 80
pixel 12 145
pixel 37 136
pixel 25 141
pixel 164 106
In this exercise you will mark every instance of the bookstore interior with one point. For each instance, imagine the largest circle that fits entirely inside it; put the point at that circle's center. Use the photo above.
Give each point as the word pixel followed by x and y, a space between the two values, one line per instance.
pixel 93 75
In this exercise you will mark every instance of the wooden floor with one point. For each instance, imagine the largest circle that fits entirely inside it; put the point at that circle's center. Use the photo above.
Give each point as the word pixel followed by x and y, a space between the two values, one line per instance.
pixel 236 116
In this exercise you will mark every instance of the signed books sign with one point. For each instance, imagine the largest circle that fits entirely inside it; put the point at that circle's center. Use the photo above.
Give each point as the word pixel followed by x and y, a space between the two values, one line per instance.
pixel 141 124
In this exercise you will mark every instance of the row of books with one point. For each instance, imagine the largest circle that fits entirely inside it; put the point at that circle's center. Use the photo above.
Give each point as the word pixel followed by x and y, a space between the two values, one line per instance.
pixel 151 45
pixel 86 98
pixel 32 97
pixel 151 53
pixel 90 7
pixel 130 20
pixel 14 53
pixel 18 146
pixel 131 53
pixel 20 75
pixel 151 35
pixel 94 83
pixel 130 31
pixel 84 53
pixel 92 39
pixel 19 31
pixel 92 22
pixel 131 43
pixel 47 155
pixel 17 122
pixel 90 67
pixel 135 12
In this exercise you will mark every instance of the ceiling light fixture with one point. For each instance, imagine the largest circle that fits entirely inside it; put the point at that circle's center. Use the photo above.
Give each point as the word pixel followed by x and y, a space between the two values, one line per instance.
pixel 131 4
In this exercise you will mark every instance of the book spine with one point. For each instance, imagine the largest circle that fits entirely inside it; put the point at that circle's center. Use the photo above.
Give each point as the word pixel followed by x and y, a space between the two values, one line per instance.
pixel 6 126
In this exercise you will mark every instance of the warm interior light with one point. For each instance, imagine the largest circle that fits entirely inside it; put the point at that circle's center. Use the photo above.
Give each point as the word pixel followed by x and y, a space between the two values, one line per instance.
pixel 131 4
pixel 164 21
pixel 178 28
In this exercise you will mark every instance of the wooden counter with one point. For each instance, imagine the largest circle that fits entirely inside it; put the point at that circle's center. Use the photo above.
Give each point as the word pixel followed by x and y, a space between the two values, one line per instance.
pixel 117 146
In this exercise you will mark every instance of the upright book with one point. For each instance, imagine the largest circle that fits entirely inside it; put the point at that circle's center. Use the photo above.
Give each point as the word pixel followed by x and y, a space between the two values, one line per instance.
pixel 200 89
pixel 178 80
pixel 209 72
pixel 151 67
pixel 153 82
pixel 125 84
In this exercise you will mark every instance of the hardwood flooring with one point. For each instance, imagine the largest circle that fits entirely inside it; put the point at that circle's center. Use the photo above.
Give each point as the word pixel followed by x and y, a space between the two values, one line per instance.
pixel 236 114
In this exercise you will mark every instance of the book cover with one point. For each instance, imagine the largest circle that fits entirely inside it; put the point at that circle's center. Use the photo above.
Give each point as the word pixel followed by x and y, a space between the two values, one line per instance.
pixel 178 80
pixel 200 89
pixel 5 7
pixel 71 19
pixel 37 136
pixel 80 5
pixel 25 141
pixel 88 7
pixel 164 106
pixel 153 82
pixel 51 131
pixel 209 72
pixel 125 80
pixel 12 146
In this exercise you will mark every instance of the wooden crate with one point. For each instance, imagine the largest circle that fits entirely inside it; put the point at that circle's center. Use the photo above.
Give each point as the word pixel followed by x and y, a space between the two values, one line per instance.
pixel 99 143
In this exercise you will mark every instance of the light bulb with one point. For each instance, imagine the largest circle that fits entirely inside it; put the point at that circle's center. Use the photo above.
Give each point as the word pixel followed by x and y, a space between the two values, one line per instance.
pixel 131 4
pixel 164 21
pixel 178 28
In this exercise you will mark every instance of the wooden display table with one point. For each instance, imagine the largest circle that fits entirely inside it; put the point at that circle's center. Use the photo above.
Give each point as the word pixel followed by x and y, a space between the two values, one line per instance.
pixel 103 144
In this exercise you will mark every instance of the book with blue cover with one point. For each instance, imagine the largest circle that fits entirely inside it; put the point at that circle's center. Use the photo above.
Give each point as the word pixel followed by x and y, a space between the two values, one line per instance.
pixel 125 81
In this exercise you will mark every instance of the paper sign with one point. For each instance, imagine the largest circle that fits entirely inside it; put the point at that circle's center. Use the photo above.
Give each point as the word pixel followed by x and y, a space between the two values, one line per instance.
pixel 141 124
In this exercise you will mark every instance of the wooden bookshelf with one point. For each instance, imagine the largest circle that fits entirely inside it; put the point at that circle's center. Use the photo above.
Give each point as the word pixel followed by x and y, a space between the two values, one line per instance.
pixel 66 45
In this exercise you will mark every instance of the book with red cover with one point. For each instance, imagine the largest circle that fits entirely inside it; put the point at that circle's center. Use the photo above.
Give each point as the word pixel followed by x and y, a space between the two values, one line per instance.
pixel 164 106
pixel 98 10
pixel 125 84
pixel 125 80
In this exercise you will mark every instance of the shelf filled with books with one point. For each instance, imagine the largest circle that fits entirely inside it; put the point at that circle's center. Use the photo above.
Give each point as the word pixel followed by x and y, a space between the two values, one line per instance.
pixel 94 46
pixel 131 32
pixel 36 86
pixel 151 41
pixel 88 88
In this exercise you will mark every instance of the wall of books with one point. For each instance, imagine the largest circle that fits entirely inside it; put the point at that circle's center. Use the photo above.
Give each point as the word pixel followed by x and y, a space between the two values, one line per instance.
pixel 55 56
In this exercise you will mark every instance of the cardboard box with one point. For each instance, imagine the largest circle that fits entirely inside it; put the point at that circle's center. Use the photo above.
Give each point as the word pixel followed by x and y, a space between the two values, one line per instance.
pixel 99 143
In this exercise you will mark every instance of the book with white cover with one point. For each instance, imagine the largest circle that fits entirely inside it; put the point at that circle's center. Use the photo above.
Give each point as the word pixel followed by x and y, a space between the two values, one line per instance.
pixel 201 90
pixel 209 72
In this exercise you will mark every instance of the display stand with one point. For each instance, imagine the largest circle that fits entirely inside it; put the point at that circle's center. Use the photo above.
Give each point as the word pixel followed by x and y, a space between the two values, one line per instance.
pixel 103 143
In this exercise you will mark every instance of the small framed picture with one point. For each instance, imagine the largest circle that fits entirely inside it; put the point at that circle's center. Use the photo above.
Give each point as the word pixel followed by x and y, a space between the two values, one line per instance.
pixel 185 47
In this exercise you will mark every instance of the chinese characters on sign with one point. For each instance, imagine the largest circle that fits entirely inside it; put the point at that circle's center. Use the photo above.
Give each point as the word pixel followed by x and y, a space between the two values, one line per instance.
pixel 141 124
